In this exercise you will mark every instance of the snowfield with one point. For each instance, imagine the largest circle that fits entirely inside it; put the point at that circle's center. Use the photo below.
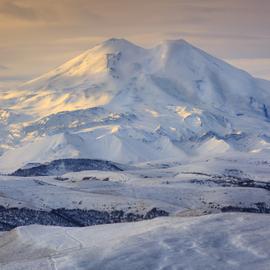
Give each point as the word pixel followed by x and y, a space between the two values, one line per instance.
pixel 221 241
pixel 200 187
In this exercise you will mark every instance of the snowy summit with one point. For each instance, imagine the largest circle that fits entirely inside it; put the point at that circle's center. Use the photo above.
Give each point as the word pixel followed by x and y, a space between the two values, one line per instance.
pixel 124 103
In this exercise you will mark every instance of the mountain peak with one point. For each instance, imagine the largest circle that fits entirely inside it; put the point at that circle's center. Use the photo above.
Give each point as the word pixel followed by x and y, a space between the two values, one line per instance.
pixel 112 41
pixel 176 46
pixel 124 43
pixel 176 42
pixel 185 92
pixel 118 44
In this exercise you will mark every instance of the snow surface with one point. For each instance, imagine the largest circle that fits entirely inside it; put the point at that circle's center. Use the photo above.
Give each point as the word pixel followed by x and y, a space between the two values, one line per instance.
pixel 124 103
pixel 221 241
pixel 196 235
pixel 182 189
pixel 194 135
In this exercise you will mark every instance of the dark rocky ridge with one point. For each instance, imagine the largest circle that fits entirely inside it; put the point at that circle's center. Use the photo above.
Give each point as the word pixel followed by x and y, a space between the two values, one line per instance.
pixel 11 218
pixel 62 166
pixel 229 180
pixel 260 207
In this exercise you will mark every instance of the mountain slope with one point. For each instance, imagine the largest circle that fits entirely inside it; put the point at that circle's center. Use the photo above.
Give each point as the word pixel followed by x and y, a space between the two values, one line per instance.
pixel 228 241
pixel 117 71
pixel 129 104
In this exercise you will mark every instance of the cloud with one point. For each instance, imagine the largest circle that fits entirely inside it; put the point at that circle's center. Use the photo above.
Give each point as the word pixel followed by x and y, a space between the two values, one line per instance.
pixel 2 67
pixel 13 9
pixel 47 12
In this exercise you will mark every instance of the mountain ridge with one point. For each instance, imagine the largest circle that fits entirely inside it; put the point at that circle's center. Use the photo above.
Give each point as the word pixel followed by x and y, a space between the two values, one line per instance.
pixel 128 104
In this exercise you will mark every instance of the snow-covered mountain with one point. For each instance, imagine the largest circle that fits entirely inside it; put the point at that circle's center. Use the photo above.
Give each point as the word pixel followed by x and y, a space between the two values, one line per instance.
pixel 120 102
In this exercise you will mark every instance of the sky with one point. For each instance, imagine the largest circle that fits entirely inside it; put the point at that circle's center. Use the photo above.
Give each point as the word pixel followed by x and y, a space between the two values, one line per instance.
pixel 38 35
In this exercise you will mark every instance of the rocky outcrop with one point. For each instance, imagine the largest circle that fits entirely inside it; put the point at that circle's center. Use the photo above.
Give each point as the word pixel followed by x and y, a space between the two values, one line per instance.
pixel 61 166
pixel 14 217
pixel 259 207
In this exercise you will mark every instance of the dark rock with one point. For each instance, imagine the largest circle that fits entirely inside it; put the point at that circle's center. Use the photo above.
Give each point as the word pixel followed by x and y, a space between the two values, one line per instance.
pixel 62 166
pixel 262 209
pixel 14 217
pixel 155 213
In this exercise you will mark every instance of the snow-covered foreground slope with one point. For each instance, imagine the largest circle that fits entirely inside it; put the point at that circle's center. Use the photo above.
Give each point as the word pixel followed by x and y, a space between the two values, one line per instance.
pixel 221 241
pixel 199 232
pixel 124 103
